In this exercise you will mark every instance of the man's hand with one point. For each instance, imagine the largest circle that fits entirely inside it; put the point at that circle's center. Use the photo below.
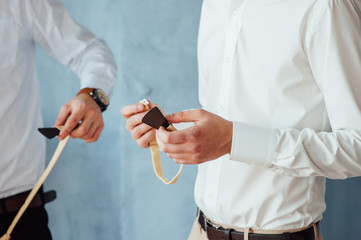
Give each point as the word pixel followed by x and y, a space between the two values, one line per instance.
pixel 209 138
pixel 82 108
pixel 141 132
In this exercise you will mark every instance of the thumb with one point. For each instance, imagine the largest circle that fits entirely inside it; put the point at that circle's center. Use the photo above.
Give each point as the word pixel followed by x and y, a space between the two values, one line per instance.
pixel 186 116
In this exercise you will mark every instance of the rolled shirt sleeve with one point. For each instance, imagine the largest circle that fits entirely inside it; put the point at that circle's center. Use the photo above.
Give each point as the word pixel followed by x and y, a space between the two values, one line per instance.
pixel 333 48
pixel 72 44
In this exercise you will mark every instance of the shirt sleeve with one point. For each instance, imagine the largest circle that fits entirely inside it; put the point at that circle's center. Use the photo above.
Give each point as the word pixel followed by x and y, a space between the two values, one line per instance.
pixel 334 52
pixel 72 44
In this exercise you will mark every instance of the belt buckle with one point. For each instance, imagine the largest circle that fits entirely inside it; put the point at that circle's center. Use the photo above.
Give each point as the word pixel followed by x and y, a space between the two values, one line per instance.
pixel 212 225
pixel 207 221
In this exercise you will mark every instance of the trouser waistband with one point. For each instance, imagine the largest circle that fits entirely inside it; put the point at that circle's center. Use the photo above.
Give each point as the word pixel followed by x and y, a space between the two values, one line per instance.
pixel 215 232
pixel 14 203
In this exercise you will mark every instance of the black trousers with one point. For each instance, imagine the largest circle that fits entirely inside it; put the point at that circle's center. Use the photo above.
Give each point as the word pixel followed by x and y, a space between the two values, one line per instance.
pixel 33 225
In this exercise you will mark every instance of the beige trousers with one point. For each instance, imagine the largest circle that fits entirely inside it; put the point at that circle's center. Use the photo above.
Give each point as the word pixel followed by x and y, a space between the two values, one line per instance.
pixel 197 233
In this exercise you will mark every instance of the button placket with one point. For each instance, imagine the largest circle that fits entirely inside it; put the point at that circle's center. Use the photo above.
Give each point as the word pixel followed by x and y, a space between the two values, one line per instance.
pixel 233 30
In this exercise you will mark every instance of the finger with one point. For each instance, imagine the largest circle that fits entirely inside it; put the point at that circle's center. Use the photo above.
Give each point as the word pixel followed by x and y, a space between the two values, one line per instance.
pixel 144 141
pixel 93 130
pixel 96 134
pixel 182 159
pixel 134 121
pixel 132 109
pixel 70 124
pixel 186 116
pixel 171 148
pixel 85 132
pixel 182 148
pixel 82 130
pixel 91 119
pixel 176 137
pixel 166 137
pixel 140 130
pixel 62 116
pixel 185 161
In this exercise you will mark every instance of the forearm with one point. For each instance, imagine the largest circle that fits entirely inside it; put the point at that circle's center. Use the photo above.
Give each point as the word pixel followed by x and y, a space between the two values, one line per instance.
pixel 72 44
pixel 300 153
pixel 96 67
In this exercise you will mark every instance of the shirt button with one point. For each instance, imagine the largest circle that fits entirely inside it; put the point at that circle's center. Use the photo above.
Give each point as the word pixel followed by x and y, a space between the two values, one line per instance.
pixel 228 60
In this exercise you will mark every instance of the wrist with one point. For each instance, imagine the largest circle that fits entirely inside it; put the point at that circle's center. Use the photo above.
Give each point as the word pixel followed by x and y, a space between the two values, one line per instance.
pixel 98 95
pixel 85 91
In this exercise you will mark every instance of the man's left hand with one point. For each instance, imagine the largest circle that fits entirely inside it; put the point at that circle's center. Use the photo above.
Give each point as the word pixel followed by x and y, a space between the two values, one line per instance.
pixel 82 108
pixel 209 138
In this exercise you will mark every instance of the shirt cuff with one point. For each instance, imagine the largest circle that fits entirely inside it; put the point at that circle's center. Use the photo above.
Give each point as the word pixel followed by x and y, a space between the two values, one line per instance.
pixel 107 87
pixel 253 145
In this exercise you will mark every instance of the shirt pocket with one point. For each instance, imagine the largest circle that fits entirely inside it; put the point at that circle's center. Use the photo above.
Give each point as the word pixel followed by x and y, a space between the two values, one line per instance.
pixel 7 43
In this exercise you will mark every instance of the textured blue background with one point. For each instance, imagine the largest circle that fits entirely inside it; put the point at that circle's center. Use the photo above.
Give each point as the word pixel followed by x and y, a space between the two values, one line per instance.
pixel 107 190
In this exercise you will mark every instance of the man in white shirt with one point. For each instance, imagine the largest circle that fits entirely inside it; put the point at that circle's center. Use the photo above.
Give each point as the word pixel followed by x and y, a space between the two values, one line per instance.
pixel 279 83
pixel 23 24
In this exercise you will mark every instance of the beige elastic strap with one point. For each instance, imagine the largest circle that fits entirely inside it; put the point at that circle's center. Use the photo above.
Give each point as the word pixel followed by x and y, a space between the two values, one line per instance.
pixel 246 234
pixel 40 182
pixel 154 150
pixel 157 166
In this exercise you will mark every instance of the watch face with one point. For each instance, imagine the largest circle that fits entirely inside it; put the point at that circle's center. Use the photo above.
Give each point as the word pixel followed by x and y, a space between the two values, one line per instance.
pixel 102 97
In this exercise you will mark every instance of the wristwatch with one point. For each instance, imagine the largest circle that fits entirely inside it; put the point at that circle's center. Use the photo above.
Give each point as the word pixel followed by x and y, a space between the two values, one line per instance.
pixel 100 98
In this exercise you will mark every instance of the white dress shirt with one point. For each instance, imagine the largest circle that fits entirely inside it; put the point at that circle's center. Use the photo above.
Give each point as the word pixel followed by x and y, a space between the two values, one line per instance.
pixel 22 25
pixel 288 74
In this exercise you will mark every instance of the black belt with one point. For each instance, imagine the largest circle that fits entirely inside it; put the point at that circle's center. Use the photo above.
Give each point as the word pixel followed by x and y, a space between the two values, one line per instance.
pixel 219 233
pixel 14 203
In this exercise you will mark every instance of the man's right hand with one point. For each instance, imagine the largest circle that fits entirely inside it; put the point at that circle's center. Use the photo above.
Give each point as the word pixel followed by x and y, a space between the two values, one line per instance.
pixel 141 132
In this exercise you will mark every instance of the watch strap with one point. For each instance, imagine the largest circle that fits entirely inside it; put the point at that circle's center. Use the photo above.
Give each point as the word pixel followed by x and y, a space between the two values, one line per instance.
pixel 91 92
pixel 96 98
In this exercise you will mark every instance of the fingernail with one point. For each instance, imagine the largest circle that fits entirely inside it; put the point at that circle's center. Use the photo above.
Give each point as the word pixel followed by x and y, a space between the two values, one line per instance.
pixel 140 107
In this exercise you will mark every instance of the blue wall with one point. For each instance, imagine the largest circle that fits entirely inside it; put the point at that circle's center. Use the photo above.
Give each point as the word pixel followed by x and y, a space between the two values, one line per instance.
pixel 107 190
